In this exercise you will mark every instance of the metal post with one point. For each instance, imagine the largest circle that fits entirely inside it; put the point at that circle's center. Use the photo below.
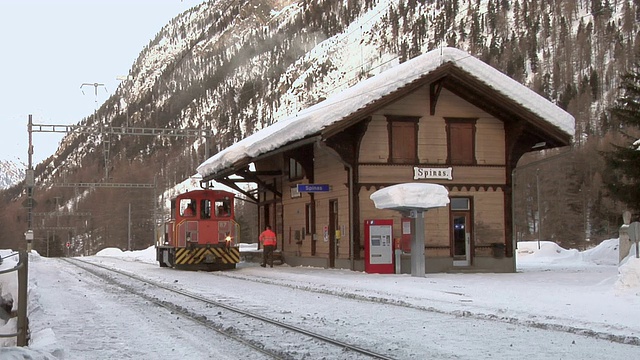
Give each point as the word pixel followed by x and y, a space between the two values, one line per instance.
pixel 207 144
pixel 637 252
pixel 155 210
pixel 514 226
pixel 23 278
pixel 634 227
pixel 398 259
pixel 30 183
pixel 105 136
pixel 539 211
pixel 129 230
pixel 85 240
pixel 417 243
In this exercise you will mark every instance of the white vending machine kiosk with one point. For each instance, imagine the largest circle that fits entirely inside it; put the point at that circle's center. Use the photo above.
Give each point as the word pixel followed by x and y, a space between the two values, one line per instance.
pixel 378 249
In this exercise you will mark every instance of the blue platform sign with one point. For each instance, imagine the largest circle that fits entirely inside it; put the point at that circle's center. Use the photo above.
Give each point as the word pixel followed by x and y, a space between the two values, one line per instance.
pixel 313 187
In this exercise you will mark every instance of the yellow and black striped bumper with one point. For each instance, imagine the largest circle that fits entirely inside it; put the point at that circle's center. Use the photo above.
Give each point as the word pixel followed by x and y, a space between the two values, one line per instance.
pixel 207 255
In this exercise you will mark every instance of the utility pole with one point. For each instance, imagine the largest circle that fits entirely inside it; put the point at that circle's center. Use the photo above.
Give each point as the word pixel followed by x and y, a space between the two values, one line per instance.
pixel 30 184
pixel 106 142
pixel 539 211
pixel 95 85
pixel 129 230
pixel 207 134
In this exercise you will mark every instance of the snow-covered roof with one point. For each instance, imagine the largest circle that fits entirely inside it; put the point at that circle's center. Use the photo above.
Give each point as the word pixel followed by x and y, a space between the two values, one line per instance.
pixel 314 119
pixel 411 196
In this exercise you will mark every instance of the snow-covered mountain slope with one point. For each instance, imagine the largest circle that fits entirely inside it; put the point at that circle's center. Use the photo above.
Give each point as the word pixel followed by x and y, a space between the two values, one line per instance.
pixel 11 173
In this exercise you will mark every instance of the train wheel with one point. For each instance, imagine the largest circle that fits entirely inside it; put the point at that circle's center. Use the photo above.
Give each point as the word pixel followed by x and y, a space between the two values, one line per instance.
pixel 228 266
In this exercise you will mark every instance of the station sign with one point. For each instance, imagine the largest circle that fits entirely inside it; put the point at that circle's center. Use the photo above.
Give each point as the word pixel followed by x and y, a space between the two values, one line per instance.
pixel 313 188
pixel 432 173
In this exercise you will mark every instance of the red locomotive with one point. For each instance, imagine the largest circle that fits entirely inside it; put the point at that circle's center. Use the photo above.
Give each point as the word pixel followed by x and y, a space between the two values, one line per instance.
pixel 201 232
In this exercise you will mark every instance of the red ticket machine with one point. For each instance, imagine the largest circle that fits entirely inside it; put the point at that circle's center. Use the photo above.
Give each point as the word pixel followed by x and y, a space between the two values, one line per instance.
pixel 378 246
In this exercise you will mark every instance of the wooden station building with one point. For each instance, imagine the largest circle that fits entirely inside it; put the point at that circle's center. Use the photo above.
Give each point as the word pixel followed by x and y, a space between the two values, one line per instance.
pixel 444 117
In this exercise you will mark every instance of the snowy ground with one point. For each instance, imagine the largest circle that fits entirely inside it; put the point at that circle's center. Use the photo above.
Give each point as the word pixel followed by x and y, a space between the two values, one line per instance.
pixel 543 311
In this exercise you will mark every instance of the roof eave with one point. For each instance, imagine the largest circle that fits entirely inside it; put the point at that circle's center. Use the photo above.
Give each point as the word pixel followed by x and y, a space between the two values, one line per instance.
pixel 502 106
pixel 244 162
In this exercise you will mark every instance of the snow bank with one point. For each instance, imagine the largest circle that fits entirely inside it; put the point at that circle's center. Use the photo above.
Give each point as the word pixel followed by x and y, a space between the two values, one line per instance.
pixel 8 287
pixel 248 247
pixel 546 252
pixel 629 276
pixel 147 255
pixel 606 253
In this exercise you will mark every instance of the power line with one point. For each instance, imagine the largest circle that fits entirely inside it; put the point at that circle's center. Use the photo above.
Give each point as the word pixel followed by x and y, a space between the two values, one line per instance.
pixel 120 130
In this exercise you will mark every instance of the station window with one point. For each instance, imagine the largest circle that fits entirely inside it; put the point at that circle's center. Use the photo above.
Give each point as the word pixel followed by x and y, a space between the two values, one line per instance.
pixel 295 170
pixel 403 139
pixel 460 204
pixel 461 140
pixel 308 223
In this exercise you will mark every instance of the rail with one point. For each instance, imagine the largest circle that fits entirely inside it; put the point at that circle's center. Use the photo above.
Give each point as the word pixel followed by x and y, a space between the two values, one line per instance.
pixel 23 276
pixel 236 334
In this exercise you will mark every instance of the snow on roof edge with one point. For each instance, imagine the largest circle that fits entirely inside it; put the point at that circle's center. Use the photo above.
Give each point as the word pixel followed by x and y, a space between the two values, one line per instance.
pixel 315 118
pixel 514 90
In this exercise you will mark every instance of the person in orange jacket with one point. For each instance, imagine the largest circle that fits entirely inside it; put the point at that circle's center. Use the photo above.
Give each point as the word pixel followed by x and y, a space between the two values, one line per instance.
pixel 189 211
pixel 268 240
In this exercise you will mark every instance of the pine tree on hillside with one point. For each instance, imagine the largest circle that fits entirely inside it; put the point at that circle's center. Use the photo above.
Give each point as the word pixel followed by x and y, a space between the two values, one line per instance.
pixel 624 161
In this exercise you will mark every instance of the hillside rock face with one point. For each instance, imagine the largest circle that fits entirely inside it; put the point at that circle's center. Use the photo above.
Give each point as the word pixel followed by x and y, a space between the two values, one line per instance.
pixel 11 173
pixel 234 67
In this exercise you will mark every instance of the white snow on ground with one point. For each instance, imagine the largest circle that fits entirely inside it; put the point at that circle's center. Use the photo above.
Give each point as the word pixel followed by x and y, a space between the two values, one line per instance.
pixel 553 287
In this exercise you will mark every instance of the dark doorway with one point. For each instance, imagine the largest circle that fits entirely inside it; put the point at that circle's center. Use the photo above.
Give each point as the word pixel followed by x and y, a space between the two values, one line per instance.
pixel 333 226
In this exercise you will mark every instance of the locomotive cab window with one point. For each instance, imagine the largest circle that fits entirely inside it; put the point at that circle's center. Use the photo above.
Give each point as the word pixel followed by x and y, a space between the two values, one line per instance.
pixel 223 208
pixel 205 209
pixel 187 207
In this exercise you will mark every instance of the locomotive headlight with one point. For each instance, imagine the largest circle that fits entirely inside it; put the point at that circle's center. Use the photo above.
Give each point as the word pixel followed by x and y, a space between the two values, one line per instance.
pixel 228 238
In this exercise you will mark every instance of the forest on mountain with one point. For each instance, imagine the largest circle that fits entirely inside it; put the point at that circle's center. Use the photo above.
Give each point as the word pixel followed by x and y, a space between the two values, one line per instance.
pixel 236 66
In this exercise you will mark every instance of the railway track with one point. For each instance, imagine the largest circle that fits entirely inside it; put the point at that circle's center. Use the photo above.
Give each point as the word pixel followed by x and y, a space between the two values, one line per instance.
pixel 263 335
pixel 430 308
